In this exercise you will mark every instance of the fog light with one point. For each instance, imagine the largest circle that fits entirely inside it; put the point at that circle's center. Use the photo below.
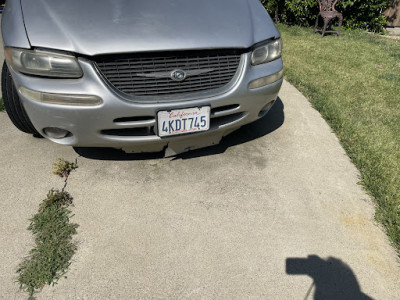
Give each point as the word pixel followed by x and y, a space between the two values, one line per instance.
pixel 56 133
pixel 265 80
pixel 64 99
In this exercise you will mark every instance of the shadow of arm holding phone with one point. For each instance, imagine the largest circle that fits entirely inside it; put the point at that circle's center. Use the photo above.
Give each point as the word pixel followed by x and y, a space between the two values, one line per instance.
pixel 333 279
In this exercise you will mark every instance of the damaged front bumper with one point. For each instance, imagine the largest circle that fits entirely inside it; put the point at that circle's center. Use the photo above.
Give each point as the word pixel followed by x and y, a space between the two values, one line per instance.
pixel 111 120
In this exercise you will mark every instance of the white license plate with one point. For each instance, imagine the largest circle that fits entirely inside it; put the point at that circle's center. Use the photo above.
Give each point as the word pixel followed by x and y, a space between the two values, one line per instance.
pixel 181 121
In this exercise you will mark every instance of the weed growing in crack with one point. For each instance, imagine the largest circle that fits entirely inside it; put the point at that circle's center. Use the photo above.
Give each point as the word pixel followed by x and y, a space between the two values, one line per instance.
pixel 51 256
pixel 63 168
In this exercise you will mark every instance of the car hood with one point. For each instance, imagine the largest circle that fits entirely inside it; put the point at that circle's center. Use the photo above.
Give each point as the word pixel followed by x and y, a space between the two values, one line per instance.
pixel 93 27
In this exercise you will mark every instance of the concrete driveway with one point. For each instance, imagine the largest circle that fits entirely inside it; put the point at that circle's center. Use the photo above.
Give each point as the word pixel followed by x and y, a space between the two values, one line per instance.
pixel 265 214
pixel 274 212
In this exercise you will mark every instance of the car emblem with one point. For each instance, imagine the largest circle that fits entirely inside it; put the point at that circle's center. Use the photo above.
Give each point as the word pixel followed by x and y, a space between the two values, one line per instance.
pixel 178 75
pixel 175 75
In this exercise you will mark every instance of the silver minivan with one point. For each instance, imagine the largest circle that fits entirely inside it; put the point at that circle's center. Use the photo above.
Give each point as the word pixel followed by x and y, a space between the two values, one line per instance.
pixel 141 76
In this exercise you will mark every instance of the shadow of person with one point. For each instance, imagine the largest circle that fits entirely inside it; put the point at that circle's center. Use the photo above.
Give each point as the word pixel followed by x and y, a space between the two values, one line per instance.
pixel 272 121
pixel 333 279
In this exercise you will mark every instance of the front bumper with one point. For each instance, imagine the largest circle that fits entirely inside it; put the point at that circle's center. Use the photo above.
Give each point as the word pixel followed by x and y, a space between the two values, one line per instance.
pixel 128 124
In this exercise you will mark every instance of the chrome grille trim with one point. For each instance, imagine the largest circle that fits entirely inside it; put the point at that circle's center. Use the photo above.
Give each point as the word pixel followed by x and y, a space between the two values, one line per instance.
pixel 206 72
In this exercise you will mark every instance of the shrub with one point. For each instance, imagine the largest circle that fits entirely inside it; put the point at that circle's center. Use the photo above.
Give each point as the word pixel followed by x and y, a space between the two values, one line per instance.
pixel 359 14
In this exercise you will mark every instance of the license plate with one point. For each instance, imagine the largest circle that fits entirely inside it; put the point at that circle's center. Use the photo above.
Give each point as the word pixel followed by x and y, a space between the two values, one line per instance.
pixel 181 121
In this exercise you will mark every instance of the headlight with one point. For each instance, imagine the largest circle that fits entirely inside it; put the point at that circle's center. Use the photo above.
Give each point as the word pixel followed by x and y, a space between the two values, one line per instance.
pixel 41 63
pixel 267 52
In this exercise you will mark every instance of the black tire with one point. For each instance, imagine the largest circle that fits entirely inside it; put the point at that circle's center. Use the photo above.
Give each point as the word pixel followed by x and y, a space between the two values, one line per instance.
pixel 13 104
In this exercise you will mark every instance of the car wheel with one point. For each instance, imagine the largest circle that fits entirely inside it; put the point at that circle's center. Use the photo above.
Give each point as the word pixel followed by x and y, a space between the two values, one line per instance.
pixel 13 104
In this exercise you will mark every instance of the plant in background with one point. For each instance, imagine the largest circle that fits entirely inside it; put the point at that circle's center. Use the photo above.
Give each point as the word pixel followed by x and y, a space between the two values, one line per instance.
pixel 364 14
pixel 292 12
pixel 51 256
pixel 302 12
pixel 276 9
pixel 358 14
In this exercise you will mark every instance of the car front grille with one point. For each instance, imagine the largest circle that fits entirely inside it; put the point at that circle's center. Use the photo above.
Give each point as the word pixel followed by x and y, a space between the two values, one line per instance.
pixel 151 74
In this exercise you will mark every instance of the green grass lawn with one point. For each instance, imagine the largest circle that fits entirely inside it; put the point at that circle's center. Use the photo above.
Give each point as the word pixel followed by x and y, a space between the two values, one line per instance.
pixel 354 82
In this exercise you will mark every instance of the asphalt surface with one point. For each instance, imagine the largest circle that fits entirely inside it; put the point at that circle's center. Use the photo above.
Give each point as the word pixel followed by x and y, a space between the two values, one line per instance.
pixel 274 212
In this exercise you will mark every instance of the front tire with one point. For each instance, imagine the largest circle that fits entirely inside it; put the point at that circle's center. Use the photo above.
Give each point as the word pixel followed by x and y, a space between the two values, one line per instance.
pixel 13 104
